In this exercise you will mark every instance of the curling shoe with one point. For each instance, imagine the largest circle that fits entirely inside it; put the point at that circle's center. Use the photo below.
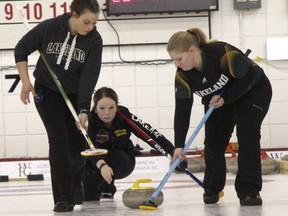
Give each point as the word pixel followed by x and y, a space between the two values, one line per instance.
pixel 253 199
pixel 107 196
pixel 108 192
pixel 210 198
pixel 62 206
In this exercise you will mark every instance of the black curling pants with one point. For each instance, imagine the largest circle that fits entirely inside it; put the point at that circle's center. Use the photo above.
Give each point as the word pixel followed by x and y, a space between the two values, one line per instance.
pixel 122 164
pixel 65 143
pixel 247 114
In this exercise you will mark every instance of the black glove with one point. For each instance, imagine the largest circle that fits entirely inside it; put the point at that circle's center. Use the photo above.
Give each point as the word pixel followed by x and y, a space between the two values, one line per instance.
pixel 182 166
pixel 137 149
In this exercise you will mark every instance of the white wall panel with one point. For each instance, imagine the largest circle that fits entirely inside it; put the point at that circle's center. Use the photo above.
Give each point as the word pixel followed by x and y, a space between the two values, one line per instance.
pixel 149 90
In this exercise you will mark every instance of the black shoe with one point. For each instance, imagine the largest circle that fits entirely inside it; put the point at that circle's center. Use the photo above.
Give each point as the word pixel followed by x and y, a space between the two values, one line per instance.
pixel 79 196
pixel 210 198
pixel 62 206
pixel 107 191
pixel 251 200
pixel 107 196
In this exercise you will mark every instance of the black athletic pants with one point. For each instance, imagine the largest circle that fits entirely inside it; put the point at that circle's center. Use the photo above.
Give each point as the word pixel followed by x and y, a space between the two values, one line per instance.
pixel 247 114
pixel 65 143
pixel 122 164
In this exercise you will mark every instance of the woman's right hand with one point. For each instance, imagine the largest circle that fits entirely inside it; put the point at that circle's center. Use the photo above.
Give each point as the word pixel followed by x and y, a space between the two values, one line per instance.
pixel 217 101
pixel 83 121
pixel 25 92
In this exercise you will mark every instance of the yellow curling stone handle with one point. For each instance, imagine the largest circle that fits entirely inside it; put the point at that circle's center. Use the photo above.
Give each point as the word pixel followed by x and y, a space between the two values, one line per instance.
pixel 137 182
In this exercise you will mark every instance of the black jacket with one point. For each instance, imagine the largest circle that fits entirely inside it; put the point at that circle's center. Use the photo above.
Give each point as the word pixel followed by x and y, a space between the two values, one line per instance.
pixel 225 70
pixel 118 136
pixel 83 71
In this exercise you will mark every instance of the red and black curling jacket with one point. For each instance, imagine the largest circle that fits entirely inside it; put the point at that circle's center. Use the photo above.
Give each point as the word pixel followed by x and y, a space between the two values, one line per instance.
pixel 118 136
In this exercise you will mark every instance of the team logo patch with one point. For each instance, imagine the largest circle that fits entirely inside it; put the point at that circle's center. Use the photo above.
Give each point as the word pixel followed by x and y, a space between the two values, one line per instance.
pixel 102 136
pixel 120 132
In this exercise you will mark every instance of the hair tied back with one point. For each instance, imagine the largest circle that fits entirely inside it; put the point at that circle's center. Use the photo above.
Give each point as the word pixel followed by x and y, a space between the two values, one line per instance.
pixel 191 32
pixel 195 35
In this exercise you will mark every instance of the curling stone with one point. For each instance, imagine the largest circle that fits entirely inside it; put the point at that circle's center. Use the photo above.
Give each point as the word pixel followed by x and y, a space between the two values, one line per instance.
pixel 283 164
pixel 285 158
pixel 194 164
pixel 269 166
pixel 202 164
pixel 136 195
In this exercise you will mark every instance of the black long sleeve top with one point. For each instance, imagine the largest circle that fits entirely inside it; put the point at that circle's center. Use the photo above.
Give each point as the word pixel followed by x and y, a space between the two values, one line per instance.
pixel 83 72
pixel 225 70
pixel 118 136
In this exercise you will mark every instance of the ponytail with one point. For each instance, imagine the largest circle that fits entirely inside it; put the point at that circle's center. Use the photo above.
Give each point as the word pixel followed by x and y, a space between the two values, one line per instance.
pixel 183 40
pixel 199 36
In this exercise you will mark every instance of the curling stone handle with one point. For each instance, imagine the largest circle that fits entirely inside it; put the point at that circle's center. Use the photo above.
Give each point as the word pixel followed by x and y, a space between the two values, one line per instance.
pixel 137 182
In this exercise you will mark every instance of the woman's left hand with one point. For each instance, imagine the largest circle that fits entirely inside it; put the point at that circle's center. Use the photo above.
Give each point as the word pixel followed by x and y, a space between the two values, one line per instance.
pixel 217 101
pixel 107 173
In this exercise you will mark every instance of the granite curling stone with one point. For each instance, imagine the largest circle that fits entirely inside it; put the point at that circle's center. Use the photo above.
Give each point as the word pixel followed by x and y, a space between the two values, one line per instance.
pixel 195 164
pixel 283 164
pixel 136 195
pixel 269 166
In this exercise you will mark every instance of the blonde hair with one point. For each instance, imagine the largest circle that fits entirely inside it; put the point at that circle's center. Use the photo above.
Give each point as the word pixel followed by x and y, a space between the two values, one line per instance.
pixel 183 40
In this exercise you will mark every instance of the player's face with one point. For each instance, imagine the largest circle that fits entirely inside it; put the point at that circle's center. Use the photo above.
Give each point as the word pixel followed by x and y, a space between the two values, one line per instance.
pixel 85 22
pixel 183 60
pixel 106 109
